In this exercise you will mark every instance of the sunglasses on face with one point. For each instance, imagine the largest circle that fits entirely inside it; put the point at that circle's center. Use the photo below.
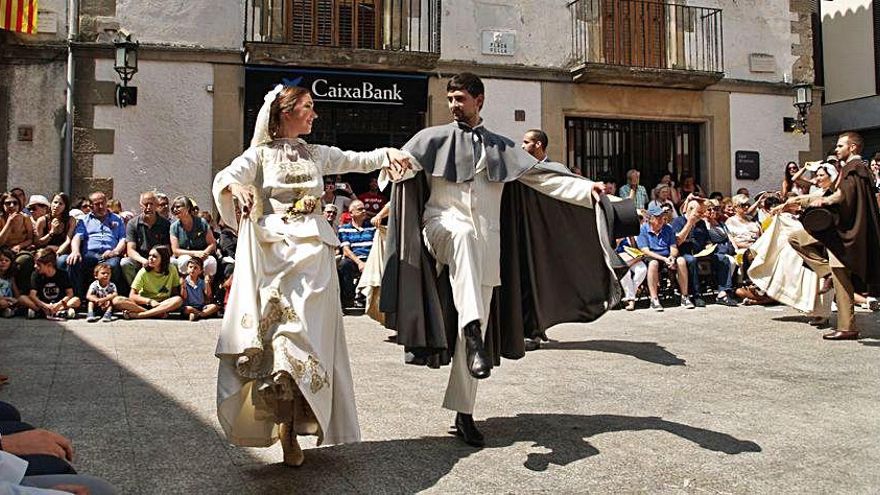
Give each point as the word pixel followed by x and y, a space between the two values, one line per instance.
pixel 10 203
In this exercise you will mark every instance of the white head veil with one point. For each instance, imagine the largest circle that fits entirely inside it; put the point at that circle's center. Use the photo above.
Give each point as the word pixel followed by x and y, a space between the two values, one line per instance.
pixel 261 129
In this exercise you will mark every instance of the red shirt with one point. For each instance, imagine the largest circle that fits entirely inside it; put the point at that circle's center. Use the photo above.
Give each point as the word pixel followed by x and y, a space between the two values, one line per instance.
pixel 373 202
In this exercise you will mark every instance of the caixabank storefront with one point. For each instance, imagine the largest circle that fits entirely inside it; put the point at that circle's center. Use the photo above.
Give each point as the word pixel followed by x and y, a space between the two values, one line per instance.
pixel 356 110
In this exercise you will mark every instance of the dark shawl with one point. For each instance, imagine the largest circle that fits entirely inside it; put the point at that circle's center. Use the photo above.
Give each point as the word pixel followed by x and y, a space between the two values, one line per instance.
pixel 448 151
pixel 553 270
pixel 856 239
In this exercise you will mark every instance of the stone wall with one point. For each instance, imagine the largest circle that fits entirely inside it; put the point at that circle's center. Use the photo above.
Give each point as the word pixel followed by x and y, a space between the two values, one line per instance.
pixel 165 142
pixel 35 99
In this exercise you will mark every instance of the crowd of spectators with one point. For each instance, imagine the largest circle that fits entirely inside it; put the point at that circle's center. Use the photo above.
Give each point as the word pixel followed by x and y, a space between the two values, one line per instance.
pixel 695 247
pixel 62 258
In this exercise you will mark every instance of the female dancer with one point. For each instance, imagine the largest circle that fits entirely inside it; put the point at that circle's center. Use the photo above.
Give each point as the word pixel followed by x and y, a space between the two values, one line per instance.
pixel 284 367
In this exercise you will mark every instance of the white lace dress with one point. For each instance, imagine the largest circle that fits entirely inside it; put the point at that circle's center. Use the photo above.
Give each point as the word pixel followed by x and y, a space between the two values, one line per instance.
pixel 282 339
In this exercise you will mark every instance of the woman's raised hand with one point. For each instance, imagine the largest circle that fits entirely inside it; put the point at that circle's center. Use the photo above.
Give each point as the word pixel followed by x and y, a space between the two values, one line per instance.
pixel 245 197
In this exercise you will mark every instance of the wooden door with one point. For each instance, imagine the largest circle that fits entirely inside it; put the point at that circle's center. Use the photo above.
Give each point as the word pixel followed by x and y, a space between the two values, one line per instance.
pixel 634 33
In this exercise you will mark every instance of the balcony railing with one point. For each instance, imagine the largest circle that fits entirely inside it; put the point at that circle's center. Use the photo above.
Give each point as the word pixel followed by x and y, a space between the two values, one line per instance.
pixel 391 25
pixel 647 34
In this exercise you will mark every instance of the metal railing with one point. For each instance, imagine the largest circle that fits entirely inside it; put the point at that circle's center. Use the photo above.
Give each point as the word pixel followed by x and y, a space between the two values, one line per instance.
pixel 393 25
pixel 647 34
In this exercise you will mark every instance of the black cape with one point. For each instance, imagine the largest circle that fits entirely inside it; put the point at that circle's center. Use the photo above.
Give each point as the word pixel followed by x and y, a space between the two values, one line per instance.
pixel 855 239
pixel 553 270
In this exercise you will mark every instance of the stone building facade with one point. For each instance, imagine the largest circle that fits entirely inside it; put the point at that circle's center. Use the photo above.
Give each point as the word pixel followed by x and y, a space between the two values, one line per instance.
pixel 617 84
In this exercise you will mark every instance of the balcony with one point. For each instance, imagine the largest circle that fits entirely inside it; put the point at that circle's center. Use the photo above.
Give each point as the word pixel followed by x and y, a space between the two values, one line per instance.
pixel 644 42
pixel 404 34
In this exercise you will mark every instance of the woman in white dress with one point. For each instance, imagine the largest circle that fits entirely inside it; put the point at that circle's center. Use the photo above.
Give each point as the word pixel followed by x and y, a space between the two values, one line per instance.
pixel 284 368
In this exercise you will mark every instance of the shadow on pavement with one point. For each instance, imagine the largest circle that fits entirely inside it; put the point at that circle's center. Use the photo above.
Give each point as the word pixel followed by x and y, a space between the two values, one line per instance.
pixel 646 351
pixel 413 465
pixel 135 401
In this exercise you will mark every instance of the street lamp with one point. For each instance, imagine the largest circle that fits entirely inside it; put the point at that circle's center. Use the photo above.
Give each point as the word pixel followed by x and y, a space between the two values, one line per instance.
pixel 126 65
pixel 803 100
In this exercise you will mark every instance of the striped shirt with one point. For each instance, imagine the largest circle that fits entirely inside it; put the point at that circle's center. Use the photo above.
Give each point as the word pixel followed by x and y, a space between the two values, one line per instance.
pixel 359 240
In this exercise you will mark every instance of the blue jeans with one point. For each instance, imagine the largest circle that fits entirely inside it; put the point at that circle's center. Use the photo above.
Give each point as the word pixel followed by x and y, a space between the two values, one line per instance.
pixel 722 267
pixel 81 275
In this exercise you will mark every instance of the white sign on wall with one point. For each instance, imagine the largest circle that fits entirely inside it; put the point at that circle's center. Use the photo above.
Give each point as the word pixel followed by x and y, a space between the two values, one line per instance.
pixel 496 42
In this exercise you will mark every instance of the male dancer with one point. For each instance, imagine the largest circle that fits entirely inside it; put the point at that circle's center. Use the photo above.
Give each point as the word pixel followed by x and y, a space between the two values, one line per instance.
pixel 853 243
pixel 456 206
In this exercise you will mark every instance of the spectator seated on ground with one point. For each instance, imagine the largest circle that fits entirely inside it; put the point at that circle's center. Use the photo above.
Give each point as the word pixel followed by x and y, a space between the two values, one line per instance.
pixel 692 237
pixel 100 295
pixel 155 290
pixel 33 461
pixel 657 241
pixel 99 238
pixel 191 236
pixel 51 293
pixel 17 235
pixel 356 239
pixel 143 233
pixel 55 229
pixel 9 292
pixel 196 293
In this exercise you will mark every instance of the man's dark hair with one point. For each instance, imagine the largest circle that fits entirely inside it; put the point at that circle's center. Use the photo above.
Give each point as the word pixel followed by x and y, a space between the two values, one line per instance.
pixel 876 157
pixel 539 136
pixel 716 195
pixel 466 81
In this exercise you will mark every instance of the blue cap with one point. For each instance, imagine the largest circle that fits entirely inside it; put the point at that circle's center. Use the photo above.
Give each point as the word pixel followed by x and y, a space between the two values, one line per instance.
pixel 655 211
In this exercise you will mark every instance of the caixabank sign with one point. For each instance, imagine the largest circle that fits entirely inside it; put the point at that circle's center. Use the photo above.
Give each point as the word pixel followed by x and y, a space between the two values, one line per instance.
pixel 374 89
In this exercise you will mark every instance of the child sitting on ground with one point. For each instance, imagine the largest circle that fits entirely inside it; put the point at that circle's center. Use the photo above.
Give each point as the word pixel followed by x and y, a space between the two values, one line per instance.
pixel 196 293
pixel 154 290
pixel 51 292
pixel 8 290
pixel 101 294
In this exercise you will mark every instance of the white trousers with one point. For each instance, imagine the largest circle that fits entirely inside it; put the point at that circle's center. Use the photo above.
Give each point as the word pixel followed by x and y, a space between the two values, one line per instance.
pixel 455 245
pixel 633 279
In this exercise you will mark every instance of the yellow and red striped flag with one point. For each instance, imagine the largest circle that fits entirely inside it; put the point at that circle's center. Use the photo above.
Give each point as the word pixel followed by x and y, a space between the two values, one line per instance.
pixel 18 15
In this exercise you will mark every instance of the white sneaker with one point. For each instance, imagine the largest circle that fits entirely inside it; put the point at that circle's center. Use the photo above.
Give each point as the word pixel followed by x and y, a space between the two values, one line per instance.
pixel 70 314
pixel 871 304
pixel 31 314
pixel 686 302
pixel 8 313
pixel 656 306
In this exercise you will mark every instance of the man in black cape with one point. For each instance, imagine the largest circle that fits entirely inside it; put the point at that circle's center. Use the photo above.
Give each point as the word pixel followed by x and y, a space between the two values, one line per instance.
pixel 483 243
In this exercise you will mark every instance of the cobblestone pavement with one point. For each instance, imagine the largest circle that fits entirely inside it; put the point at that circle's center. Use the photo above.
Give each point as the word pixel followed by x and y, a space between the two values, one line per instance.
pixel 715 400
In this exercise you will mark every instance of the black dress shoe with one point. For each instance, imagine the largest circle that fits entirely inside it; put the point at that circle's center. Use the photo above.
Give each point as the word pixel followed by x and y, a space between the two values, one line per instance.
pixel 532 344
pixel 467 430
pixel 477 360
pixel 841 335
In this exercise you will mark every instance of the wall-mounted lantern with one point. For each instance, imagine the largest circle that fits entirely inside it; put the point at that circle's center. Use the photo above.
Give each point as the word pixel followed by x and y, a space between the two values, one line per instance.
pixel 126 65
pixel 803 100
